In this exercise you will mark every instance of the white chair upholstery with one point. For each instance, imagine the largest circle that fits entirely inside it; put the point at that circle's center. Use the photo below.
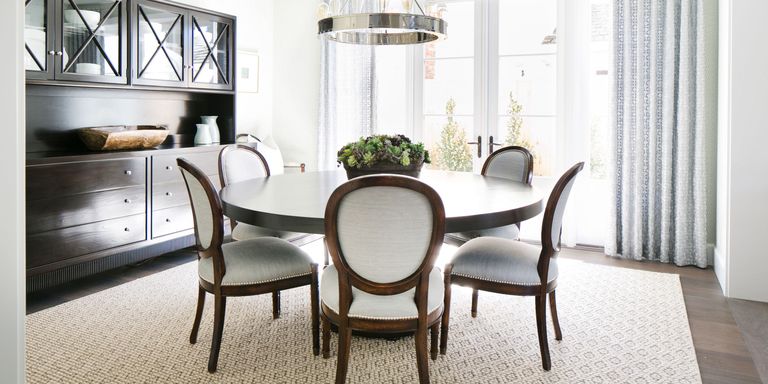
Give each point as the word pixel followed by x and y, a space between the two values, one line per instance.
pixel 500 261
pixel 245 231
pixel 389 224
pixel 509 164
pixel 368 306
pixel 258 261
pixel 203 214
pixel 268 147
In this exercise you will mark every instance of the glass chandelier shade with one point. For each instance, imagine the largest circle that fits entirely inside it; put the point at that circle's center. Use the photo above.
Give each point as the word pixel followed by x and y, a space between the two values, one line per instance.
pixel 378 22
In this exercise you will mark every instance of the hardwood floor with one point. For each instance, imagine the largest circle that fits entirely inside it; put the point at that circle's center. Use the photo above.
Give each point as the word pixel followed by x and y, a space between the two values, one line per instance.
pixel 722 353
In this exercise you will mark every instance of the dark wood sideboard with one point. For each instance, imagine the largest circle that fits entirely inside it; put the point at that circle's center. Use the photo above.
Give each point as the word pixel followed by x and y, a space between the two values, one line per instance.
pixel 93 212
pixel 88 211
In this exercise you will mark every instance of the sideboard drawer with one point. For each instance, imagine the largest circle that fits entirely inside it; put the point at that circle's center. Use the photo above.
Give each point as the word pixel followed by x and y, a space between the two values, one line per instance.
pixel 57 180
pixel 67 211
pixel 172 220
pixel 61 244
pixel 167 195
pixel 165 168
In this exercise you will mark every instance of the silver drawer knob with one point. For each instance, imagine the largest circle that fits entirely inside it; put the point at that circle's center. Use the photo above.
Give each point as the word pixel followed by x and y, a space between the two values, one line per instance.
pixel 128 172
pixel 51 53
pixel 168 168
pixel 127 229
pixel 167 220
pixel 169 194
pixel 127 201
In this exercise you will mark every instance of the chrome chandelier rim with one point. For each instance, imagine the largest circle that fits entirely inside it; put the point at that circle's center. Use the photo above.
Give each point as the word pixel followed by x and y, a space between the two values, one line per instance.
pixel 383 28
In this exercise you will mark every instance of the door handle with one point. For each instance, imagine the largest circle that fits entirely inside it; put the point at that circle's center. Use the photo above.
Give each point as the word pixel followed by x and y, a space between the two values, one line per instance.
pixel 491 144
pixel 479 143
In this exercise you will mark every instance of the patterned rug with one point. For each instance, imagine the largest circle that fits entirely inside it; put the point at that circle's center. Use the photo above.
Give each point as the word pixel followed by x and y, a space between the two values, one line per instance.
pixel 619 326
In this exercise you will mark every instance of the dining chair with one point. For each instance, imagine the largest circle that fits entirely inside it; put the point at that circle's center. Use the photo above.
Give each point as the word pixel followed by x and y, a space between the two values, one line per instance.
pixel 513 163
pixel 240 268
pixel 239 163
pixel 384 233
pixel 515 268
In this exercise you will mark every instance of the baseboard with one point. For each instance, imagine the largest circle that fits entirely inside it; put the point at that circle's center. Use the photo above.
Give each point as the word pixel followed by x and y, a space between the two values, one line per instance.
pixel 721 272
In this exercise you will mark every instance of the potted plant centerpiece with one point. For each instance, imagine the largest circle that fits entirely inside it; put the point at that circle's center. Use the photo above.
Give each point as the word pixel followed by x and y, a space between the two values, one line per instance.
pixel 383 154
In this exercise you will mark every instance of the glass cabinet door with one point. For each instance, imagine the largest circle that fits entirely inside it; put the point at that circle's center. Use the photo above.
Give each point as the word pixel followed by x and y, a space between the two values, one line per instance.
pixel 38 42
pixel 159 44
pixel 211 51
pixel 92 41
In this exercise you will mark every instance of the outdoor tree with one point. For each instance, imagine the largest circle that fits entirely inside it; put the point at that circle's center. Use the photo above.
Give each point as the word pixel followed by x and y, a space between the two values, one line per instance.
pixel 515 135
pixel 452 152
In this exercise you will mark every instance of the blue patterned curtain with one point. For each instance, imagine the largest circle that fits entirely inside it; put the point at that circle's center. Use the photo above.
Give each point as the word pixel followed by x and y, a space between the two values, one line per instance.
pixel 659 211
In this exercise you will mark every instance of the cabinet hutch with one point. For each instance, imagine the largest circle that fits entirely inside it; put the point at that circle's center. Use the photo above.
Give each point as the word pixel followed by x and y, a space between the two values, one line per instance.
pixel 117 62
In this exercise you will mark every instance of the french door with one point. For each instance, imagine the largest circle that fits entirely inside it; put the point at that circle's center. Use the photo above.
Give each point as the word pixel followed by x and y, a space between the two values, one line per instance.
pixel 534 73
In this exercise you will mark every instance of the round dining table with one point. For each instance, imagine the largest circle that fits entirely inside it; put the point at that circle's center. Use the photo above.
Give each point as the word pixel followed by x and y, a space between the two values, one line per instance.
pixel 296 201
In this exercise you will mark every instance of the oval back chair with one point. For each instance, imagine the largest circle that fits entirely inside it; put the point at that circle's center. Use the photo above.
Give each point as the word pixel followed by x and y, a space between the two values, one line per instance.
pixel 516 268
pixel 384 233
pixel 240 268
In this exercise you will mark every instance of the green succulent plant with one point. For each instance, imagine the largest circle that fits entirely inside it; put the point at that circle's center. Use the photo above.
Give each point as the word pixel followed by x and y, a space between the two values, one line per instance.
pixel 391 149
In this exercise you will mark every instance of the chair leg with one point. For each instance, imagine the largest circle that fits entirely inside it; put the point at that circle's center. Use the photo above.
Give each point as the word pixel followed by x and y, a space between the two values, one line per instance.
pixel 446 309
pixel 475 294
pixel 198 315
pixel 422 361
pixel 326 338
pixel 220 307
pixel 433 337
pixel 555 321
pixel 541 326
pixel 276 304
pixel 314 299
pixel 326 253
pixel 345 340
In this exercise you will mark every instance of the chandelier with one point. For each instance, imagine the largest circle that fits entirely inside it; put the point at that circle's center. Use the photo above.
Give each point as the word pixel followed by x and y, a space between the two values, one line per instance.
pixel 378 22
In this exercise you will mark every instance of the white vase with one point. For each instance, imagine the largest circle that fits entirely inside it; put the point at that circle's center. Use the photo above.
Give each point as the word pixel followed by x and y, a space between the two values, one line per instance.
pixel 212 127
pixel 203 135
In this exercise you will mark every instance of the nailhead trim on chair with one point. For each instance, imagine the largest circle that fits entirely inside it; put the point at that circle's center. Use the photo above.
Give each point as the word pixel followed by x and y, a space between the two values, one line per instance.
pixel 381 318
pixel 263 281
pixel 498 281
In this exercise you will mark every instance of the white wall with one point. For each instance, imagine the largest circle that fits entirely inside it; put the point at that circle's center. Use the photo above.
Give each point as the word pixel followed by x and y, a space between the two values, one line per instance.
pixel 12 291
pixel 742 184
pixel 297 80
pixel 254 33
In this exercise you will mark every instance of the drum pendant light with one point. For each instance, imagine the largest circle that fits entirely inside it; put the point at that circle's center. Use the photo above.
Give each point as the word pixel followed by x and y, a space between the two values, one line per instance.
pixel 353 23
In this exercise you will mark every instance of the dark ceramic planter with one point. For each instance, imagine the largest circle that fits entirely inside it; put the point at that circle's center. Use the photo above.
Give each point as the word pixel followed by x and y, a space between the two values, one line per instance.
pixel 412 170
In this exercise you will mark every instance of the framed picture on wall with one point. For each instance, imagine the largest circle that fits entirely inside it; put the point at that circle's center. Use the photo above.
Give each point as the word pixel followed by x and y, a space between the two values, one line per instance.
pixel 247 72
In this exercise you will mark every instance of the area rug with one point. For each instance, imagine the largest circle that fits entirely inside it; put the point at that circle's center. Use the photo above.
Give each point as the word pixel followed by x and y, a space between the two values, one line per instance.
pixel 619 326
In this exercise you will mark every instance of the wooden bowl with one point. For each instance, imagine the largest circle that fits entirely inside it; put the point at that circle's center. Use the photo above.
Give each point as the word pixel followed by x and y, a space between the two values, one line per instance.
pixel 123 137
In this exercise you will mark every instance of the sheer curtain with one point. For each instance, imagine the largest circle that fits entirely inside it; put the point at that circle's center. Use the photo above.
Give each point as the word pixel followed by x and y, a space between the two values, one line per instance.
pixel 347 97
pixel 659 203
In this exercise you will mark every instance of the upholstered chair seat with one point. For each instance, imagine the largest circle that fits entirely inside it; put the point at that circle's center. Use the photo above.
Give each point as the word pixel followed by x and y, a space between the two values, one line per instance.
pixel 501 261
pixel 258 261
pixel 379 307
pixel 243 231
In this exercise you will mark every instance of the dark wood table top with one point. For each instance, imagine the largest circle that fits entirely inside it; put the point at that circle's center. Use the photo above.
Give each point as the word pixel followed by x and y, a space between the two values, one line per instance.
pixel 296 201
